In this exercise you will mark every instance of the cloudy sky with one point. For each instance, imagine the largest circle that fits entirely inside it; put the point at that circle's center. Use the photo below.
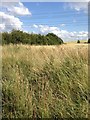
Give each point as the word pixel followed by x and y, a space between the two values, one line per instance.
pixel 68 20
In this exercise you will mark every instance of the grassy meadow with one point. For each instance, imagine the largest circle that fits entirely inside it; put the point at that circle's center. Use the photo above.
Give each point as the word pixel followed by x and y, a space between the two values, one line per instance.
pixel 45 81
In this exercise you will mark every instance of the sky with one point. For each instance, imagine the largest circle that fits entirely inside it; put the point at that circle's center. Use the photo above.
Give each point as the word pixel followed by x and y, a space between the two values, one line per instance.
pixel 68 20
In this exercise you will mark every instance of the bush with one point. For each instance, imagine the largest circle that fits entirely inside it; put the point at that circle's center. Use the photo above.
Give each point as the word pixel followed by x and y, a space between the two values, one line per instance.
pixel 89 40
pixel 17 36
pixel 78 41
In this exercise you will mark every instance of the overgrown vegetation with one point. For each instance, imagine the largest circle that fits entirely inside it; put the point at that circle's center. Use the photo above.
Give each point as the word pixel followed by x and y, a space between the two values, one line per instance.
pixel 17 37
pixel 45 81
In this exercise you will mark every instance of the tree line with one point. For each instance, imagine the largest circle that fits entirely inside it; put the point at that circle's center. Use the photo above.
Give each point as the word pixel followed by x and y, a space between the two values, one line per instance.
pixel 17 37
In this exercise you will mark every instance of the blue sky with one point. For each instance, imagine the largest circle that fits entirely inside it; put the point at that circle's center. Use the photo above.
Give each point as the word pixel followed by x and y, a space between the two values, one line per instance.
pixel 67 20
pixel 55 14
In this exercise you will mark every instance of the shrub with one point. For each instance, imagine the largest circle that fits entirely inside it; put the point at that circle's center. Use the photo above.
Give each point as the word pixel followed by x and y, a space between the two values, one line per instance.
pixel 89 40
pixel 17 36
pixel 78 41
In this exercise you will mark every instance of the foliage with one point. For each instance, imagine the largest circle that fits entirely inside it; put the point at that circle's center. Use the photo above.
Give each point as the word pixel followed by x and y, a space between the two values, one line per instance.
pixel 17 36
pixel 78 41
pixel 89 40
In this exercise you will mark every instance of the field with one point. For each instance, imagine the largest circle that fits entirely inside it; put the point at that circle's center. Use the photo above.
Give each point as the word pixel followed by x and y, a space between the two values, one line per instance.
pixel 45 81
pixel 74 41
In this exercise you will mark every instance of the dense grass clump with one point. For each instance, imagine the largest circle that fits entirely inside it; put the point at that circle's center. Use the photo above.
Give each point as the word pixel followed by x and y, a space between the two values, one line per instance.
pixel 45 81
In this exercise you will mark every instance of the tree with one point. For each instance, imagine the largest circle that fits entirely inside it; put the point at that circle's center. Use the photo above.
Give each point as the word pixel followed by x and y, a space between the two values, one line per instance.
pixel 54 39
pixel 89 40
pixel 6 38
pixel 17 36
pixel 78 41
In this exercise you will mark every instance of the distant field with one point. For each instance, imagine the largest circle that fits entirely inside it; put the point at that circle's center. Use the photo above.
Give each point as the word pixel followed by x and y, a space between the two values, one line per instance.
pixel 45 81
pixel 74 41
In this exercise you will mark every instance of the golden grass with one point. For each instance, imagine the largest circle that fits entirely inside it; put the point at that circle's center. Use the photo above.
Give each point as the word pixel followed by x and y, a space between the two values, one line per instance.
pixel 45 81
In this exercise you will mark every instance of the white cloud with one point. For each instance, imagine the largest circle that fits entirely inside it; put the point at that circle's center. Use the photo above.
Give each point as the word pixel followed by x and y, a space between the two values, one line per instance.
pixel 35 26
pixel 8 15
pixel 64 34
pixel 79 6
pixel 16 8
pixel 2 27
pixel 44 29
pixel 10 0
pixel 9 22
pixel 62 25
pixel 19 10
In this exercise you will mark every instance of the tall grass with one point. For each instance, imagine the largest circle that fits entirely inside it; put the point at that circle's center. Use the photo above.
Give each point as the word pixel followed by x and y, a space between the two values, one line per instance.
pixel 45 81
